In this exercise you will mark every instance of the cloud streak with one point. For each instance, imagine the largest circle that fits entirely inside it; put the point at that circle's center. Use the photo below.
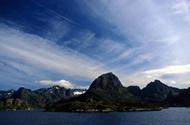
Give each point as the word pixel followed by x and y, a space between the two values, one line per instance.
pixel 29 52
pixel 156 31
pixel 176 69
pixel 137 40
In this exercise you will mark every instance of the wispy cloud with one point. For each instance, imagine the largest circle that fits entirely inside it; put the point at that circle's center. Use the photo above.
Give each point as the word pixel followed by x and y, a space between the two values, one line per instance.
pixel 157 36
pixel 30 53
pixel 182 7
pixel 152 41
pixel 176 69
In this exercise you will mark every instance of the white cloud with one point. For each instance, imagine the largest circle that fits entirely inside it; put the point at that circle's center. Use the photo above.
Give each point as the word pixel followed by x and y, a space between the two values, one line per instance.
pixel 157 38
pixel 173 82
pixel 150 25
pixel 78 92
pixel 34 55
pixel 63 83
pixel 175 69
pixel 149 76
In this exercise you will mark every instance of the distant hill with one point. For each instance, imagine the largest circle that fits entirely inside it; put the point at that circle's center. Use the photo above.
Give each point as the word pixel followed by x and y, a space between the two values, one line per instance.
pixel 6 94
pixel 27 99
pixel 158 91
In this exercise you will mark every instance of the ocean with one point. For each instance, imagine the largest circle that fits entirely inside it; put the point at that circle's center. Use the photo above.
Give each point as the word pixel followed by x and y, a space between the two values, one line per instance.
pixel 170 116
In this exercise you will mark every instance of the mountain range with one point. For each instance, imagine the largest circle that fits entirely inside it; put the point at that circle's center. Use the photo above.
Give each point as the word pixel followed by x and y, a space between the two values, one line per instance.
pixel 27 99
pixel 106 93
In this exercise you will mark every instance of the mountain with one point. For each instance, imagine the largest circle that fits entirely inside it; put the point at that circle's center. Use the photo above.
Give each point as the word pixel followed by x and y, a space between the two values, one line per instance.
pixel 108 87
pixel 135 90
pixel 6 94
pixel 105 93
pixel 54 93
pixel 23 93
pixel 183 99
pixel 108 82
pixel 158 91
pixel 27 99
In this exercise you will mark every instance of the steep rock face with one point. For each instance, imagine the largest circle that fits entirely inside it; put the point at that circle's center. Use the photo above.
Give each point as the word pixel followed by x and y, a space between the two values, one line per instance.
pixel 106 81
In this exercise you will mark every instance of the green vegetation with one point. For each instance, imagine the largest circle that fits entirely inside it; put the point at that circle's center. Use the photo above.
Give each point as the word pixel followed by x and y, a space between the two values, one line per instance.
pixel 91 105
pixel 14 104
pixel 27 99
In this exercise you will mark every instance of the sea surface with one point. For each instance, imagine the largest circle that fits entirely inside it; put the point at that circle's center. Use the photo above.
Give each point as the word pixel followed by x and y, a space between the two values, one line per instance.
pixel 170 116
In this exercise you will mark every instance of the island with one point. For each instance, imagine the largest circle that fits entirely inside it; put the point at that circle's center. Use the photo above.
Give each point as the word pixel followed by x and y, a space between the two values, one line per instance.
pixel 105 94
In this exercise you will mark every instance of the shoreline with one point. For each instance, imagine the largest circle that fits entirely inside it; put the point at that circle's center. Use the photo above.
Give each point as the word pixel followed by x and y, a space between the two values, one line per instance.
pixel 107 110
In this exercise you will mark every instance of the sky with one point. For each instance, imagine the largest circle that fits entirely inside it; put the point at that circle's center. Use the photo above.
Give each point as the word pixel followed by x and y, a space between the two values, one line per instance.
pixel 71 42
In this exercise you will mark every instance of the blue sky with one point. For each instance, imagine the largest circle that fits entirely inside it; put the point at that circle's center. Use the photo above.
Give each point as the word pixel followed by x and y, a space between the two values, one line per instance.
pixel 72 42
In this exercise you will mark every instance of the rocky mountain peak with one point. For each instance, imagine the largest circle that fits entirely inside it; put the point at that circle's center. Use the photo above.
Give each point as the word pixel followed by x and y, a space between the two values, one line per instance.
pixel 21 92
pixel 156 83
pixel 107 81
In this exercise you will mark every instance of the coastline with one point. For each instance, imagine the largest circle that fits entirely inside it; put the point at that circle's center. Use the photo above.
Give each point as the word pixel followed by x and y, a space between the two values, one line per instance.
pixel 107 110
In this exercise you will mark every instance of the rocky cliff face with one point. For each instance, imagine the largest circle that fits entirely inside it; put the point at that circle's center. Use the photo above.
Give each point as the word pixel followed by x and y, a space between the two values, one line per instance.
pixel 106 87
pixel 107 82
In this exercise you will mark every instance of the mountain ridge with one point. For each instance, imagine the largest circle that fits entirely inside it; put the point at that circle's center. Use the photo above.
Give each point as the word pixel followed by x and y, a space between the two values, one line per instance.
pixel 24 98
pixel 107 92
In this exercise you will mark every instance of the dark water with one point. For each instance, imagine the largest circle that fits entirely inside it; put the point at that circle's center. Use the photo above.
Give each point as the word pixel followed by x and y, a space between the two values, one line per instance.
pixel 171 116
